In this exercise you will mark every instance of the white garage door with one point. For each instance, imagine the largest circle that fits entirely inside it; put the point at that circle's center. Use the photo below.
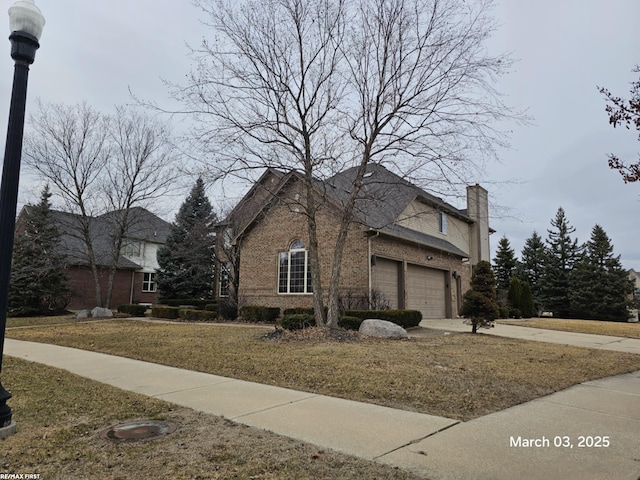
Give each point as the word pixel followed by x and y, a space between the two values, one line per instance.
pixel 426 291
pixel 386 280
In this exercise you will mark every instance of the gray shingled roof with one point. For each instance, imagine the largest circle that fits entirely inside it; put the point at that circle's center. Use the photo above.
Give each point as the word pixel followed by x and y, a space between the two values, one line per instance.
pixel 384 196
pixel 145 227
pixel 382 200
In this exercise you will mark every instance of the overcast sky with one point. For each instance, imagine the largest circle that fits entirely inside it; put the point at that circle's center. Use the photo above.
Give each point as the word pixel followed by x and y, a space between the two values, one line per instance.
pixel 97 51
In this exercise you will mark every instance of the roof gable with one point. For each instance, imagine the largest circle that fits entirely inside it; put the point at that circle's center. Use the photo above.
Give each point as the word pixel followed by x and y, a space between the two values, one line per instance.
pixel 384 196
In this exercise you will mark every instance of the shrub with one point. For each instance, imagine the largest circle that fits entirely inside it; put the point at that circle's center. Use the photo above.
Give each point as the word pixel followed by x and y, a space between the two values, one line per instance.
pixel 193 315
pixel 404 318
pixel 297 321
pixel 515 313
pixel 211 307
pixel 162 311
pixel 504 312
pixel 133 309
pixel 350 323
pixel 259 314
pixel 197 303
pixel 297 311
pixel 227 310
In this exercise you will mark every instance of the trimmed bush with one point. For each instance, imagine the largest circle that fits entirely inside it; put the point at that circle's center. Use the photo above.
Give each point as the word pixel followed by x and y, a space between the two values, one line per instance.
pixel 162 311
pixel 297 321
pixel 193 315
pixel 404 318
pixel 297 311
pixel 350 323
pixel 211 307
pixel 504 312
pixel 133 309
pixel 259 314
pixel 227 310
pixel 515 313
pixel 197 303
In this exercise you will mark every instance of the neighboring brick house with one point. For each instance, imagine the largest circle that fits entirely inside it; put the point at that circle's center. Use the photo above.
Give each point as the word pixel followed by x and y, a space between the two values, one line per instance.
pixel 135 278
pixel 405 249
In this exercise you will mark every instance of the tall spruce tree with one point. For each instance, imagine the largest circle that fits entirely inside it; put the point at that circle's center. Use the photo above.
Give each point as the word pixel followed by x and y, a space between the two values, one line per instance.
pixel 39 283
pixel 600 285
pixel 562 253
pixel 186 261
pixel 532 263
pixel 504 264
pixel 504 267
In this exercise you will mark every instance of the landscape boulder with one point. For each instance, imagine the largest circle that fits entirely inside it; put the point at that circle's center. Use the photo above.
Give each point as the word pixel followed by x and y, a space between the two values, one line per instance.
pixel 99 312
pixel 382 329
pixel 82 314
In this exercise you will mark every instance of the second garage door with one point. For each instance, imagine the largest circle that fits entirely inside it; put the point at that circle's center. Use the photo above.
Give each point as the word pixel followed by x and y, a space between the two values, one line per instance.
pixel 426 291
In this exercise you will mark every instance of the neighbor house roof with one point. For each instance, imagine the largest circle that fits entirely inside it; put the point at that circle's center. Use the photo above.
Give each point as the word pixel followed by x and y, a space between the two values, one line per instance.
pixel 145 226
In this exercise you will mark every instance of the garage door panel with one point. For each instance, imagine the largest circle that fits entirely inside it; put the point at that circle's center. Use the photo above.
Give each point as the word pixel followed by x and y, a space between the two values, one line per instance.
pixel 386 280
pixel 426 291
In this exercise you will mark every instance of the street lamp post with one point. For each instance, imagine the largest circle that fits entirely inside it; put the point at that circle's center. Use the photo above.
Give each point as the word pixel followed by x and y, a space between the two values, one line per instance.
pixel 26 22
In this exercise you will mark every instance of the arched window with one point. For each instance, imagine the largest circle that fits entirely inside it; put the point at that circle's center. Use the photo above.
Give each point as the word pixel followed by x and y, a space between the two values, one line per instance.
pixel 294 274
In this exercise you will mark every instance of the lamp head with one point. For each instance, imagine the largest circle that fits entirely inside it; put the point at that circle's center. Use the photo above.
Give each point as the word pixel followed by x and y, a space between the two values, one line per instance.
pixel 25 17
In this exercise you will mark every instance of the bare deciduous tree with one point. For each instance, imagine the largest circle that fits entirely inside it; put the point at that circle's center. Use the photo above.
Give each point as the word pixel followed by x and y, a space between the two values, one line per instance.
pixel 321 86
pixel 624 112
pixel 100 164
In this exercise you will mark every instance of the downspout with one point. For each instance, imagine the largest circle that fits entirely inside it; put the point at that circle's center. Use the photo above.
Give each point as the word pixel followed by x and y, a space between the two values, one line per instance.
pixel 133 282
pixel 369 260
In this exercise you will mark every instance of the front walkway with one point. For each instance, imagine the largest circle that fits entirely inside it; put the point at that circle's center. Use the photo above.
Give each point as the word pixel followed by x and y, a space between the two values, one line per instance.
pixel 604 342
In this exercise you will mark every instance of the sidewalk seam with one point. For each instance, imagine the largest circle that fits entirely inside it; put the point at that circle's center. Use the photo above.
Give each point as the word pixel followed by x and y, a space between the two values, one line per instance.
pixel 272 407
pixel 417 440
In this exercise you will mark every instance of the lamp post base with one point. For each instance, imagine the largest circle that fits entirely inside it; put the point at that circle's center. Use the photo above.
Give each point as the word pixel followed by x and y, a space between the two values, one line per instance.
pixel 8 430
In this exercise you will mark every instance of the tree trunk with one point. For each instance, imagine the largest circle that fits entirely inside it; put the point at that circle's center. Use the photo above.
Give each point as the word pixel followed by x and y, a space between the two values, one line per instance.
pixel 314 256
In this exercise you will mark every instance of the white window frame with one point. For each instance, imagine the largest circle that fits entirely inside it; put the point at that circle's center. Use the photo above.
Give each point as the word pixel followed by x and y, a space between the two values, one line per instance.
pixel 132 249
pixel 149 283
pixel 224 279
pixel 284 260
pixel 442 223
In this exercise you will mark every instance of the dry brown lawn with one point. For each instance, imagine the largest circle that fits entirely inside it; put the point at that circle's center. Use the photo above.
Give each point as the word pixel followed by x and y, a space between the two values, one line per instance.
pixel 616 329
pixel 460 376
pixel 59 416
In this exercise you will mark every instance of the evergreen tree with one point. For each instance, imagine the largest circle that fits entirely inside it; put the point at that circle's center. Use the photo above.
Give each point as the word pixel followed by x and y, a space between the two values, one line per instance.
pixel 532 262
pixel 562 253
pixel 514 297
pixel 520 299
pixel 527 307
pixel 186 261
pixel 600 285
pixel 39 284
pixel 479 303
pixel 504 264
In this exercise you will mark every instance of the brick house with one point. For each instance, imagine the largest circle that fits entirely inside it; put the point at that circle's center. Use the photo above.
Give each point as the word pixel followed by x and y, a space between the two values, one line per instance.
pixel 135 277
pixel 635 278
pixel 405 249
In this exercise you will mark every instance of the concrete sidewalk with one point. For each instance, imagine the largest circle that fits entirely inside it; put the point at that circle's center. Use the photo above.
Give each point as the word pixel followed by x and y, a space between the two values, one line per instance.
pixel 434 447
pixel 603 342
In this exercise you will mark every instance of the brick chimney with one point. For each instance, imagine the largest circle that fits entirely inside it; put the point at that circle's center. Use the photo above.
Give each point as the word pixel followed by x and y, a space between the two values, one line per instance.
pixel 478 210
